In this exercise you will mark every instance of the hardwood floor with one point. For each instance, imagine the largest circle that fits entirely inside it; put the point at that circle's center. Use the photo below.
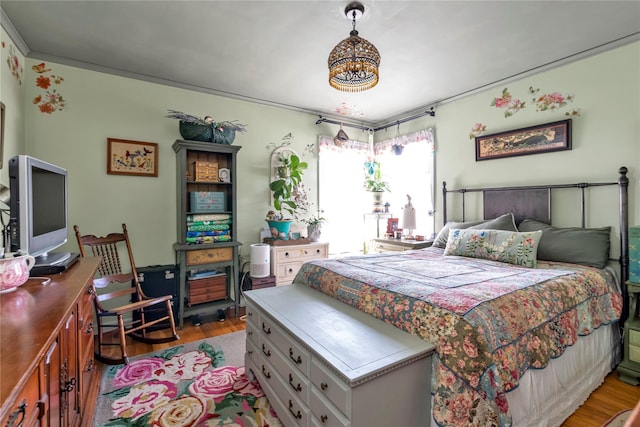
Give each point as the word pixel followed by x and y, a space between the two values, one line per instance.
pixel 610 398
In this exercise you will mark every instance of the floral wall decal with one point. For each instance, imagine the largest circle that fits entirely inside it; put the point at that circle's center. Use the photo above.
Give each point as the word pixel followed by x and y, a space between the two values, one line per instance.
pixel 50 101
pixel 477 130
pixel 551 101
pixel 348 109
pixel 507 101
pixel 14 63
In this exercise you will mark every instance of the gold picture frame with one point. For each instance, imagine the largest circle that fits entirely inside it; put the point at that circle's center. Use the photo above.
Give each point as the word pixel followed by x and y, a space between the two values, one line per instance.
pixel 125 157
pixel 554 136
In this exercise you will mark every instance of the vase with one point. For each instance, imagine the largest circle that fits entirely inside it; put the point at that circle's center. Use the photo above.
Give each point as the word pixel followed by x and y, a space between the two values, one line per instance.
pixel 313 231
pixel 281 227
pixel 378 206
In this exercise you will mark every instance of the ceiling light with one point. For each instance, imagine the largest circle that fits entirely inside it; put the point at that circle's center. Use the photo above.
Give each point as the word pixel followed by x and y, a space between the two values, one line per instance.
pixel 354 62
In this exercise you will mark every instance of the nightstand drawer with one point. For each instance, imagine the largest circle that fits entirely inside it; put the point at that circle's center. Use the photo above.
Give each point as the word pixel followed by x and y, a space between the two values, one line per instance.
pixel 634 337
pixel 634 353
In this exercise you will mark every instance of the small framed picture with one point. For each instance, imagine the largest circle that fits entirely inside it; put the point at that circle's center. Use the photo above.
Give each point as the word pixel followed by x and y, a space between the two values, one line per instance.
pixel 125 157
pixel 224 175
pixel 392 225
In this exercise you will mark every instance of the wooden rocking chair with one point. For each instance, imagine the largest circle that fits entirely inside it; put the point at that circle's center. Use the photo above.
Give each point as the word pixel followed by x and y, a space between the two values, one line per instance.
pixel 109 305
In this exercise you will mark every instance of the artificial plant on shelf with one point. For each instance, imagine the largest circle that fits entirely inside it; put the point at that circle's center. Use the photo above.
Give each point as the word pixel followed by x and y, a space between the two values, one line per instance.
pixel 206 129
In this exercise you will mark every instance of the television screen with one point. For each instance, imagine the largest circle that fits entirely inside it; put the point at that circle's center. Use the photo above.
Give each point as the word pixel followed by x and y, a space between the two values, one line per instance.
pixel 38 204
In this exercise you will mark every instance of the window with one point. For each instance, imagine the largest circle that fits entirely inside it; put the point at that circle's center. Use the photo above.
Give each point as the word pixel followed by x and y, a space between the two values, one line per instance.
pixel 345 202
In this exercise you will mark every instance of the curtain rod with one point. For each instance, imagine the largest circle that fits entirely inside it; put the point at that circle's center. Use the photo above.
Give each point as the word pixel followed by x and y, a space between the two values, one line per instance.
pixel 396 123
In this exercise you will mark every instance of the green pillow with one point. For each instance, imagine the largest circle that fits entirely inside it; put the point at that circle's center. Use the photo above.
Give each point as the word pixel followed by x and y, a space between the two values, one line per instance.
pixel 503 222
pixel 576 245
pixel 497 245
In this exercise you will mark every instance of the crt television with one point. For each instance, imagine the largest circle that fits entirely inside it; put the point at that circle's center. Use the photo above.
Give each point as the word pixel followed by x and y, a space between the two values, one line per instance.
pixel 38 208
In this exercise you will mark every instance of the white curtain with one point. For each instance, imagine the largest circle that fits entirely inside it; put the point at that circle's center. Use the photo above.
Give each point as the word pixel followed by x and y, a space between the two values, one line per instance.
pixel 341 193
pixel 344 201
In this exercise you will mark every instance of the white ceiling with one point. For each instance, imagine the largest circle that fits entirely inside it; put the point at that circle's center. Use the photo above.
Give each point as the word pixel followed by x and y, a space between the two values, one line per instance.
pixel 276 51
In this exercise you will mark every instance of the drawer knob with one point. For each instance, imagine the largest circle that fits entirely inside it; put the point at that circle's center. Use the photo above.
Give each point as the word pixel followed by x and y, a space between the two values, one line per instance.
pixel 286 254
pixel 266 374
pixel 324 386
pixel 250 352
pixel 323 418
pixel 265 351
pixel 89 328
pixel 265 329
pixel 90 365
pixel 297 388
pixel 290 270
pixel 250 313
pixel 297 415
pixel 298 360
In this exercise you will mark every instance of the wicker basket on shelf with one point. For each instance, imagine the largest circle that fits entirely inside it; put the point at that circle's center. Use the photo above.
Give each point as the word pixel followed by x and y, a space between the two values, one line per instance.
pixel 206 133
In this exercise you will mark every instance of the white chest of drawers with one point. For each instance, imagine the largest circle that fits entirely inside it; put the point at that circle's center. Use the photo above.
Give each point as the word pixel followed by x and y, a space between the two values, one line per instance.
pixel 287 260
pixel 323 363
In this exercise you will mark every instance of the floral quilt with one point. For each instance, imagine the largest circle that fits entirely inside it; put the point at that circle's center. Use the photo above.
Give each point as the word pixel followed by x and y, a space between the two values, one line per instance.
pixel 489 321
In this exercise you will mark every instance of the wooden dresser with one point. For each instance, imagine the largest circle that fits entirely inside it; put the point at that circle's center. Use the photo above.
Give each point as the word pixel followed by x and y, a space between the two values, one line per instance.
pixel 324 363
pixel 49 376
pixel 287 260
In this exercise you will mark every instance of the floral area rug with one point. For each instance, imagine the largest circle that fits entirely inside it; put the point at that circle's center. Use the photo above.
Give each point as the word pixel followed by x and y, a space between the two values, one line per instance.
pixel 192 384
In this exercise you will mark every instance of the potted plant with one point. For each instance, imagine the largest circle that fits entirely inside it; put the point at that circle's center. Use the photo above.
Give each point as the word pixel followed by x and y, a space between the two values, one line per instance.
pixel 314 226
pixel 287 191
pixel 376 185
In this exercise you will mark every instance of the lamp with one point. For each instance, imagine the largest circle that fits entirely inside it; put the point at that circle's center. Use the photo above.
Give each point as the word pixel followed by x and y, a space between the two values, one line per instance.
pixel 409 218
pixel 354 62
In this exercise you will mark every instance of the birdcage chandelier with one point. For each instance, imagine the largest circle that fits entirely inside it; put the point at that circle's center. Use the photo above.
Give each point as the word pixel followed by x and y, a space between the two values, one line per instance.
pixel 354 62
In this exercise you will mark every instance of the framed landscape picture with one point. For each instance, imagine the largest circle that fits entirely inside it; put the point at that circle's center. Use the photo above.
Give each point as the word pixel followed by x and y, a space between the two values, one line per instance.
pixel 554 136
pixel 126 157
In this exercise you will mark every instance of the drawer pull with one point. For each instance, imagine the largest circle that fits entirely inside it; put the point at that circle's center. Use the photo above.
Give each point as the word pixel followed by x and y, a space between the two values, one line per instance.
pixel 298 360
pixel 91 291
pixel 266 374
pixel 323 418
pixel 297 415
pixel 89 328
pixel 90 365
pixel 290 270
pixel 20 412
pixel 265 329
pixel 286 254
pixel 250 333
pixel 250 352
pixel 297 388
pixel 69 385
pixel 324 386
pixel 265 351
pixel 250 313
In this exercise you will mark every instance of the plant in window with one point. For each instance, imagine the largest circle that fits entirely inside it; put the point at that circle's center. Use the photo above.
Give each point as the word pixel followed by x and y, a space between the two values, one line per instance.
pixel 373 178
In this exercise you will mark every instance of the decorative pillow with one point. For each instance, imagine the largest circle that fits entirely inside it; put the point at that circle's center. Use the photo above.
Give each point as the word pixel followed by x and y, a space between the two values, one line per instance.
pixel 576 245
pixel 498 245
pixel 503 222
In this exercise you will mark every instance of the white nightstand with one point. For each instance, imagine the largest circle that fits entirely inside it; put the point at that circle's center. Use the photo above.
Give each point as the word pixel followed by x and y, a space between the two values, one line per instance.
pixel 287 260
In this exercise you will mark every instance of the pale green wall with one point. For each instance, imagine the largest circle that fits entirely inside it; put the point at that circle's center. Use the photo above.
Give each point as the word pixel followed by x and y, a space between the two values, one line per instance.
pixel 12 94
pixel 606 136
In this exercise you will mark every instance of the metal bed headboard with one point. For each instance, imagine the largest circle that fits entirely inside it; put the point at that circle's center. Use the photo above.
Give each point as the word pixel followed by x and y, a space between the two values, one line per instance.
pixel 534 202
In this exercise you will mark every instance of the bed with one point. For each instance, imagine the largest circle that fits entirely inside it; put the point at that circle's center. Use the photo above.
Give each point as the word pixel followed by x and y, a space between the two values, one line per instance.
pixel 525 316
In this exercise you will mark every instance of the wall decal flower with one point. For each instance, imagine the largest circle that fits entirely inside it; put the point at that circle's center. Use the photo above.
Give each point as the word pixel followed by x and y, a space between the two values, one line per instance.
pixel 477 130
pixel 507 101
pixel 14 63
pixel 50 101
pixel 552 101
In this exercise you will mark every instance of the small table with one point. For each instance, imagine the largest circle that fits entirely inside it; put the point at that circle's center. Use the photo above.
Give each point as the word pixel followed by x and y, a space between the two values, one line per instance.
pixel 629 368
pixel 395 245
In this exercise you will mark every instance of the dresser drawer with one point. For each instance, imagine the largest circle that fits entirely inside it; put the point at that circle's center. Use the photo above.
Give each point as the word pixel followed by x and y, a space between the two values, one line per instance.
pixel 25 408
pixel 295 352
pixel 300 253
pixel 332 387
pixel 324 413
pixel 295 407
pixel 286 272
pixel 206 256
pixel 634 337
